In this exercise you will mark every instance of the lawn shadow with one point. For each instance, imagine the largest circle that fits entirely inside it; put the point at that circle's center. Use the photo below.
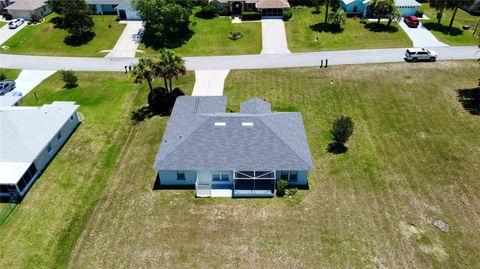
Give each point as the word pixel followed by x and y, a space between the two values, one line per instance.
pixel 158 186
pixel 470 100
pixel 453 31
pixel 157 40
pixel 79 40
pixel 57 22
pixel 375 27
pixel 146 112
pixel 329 28
pixel 336 148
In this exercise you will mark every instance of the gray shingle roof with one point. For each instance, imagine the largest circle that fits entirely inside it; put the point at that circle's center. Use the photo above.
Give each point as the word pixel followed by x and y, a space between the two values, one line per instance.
pixel 242 141
pixel 26 5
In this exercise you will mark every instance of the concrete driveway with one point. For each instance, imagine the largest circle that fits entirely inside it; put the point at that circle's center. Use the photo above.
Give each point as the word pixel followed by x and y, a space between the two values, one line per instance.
pixel 421 36
pixel 128 41
pixel 6 33
pixel 29 79
pixel 209 82
pixel 274 38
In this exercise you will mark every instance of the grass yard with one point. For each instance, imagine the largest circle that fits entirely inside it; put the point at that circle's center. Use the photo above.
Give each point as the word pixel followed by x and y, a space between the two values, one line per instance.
pixel 305 27
pixel 42 230
pixel 10 73
pixel 2 23
pixel 455 36
pixel 210 37
pixel 45 39
pixel 413 158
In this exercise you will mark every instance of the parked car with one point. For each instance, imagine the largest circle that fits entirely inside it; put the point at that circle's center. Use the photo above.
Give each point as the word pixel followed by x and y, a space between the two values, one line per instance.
pixel 420 54
pixel 14 24
pixel 411 21
pixel 6 86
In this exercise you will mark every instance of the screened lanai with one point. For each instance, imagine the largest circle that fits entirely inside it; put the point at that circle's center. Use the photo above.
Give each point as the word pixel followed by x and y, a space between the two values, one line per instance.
pixel 253 183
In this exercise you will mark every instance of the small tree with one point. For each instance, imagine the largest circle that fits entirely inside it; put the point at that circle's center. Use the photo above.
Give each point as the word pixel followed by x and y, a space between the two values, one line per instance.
pixel 145 70
pixel 171 66
pixel 282 185
pixel 317 5
pixel 339 18
pixel 382 8
pixel 70 78
pixel 396 15
pixel 342 129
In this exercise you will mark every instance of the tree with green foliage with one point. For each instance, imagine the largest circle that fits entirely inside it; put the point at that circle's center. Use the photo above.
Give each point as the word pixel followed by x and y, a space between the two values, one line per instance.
pixel 339 18
pixel 342 129
pixel 70 78
pixel 334 4
pixel 75 14
pixel 282 185
pixel 145 70
pixel 165 20
pixel 317 4
pixel 454 5
pixel 396 15
pixel 382 8
pixel 171 66
pixel 439 7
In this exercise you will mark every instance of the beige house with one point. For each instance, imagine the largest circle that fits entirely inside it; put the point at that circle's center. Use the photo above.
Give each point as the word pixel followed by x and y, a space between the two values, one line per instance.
pixel 25 8
pixel 268 8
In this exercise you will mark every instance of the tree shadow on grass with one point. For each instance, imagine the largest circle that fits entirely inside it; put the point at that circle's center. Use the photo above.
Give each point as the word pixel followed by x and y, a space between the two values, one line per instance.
pixel 453 31
pixel 329 28
pixel 156 40
pixel 375 27
pixel 57 22
pixel 336 148
pixel 470 100
pixel 79 40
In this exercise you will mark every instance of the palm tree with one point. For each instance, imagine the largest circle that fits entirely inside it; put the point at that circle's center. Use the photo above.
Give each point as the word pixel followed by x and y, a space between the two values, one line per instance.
pixel 144 71
pixel 171 66
pixel 395 15
pixel 339 18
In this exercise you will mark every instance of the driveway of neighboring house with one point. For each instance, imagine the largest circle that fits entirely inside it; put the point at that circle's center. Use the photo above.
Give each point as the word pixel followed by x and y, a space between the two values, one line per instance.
pixel 29 79
pixel 129 40
pixel 421 36
pixel 274 38
pixel 209 82
pixel 6 33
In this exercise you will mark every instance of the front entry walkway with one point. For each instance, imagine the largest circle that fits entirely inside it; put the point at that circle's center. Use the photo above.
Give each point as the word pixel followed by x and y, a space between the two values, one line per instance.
pixel 6 33
pixel 129 40
pixel 274 38
pixel 421 36
pixel 209 82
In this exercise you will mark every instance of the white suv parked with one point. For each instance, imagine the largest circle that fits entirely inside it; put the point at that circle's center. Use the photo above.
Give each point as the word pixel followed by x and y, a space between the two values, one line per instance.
pixel 14 24
pixel 420 54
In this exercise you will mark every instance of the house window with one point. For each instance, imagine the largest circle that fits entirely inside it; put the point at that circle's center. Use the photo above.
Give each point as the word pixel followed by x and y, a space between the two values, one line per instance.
pixel 180 175
pixel 71 118
pixel 59 136
pixel 49 148
pixel 291 176
pixel 220 176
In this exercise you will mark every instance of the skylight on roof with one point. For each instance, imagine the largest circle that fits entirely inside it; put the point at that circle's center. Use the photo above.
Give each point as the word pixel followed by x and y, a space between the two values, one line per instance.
pixel 247 124
pixel 220 124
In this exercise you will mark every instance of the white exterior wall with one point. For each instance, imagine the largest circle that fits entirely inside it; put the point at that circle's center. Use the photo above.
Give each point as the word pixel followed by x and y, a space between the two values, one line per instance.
pixel 169 177
pixel 302 178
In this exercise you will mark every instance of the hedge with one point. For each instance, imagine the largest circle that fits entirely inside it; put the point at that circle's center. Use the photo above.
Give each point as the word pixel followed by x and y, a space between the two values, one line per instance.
pixel 251 16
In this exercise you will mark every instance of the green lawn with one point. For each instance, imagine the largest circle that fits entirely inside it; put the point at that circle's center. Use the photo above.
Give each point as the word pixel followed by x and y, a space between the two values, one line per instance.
pixel 10 73
pixel 455 36
pixel 2 23
pixel 210 37
pixel 42 230
pixel 413 158
pixel 304 34
pixel 45 39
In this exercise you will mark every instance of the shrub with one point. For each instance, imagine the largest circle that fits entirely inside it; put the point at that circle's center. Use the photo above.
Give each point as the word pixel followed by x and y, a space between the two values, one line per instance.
pixel 70 78
pixel 281 187
pixel 342 129
pixel 251 16
pixel 225 11
pixel 35 18
pixel 2 76
pixel 287 14
pixel 419 13
pixel 235 35
pixel 207 12
pixel 291 191
pixel 7 16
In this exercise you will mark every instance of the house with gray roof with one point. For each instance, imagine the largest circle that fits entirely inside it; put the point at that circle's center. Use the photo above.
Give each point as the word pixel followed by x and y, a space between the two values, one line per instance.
pixel 406 7
pixel 232 154
pixel 122 8
pixel 26 8
pixel 30 138
pixel 268 8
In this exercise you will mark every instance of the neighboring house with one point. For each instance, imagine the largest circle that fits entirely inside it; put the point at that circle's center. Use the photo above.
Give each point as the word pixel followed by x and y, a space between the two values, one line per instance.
pixel 25 8
pixel 232 154
pixel 360 7
pixel 30 138
pixel 122 8
pixel 268 8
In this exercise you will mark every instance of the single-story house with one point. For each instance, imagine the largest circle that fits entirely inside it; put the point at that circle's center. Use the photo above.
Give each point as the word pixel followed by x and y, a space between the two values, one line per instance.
pixel 25 8
pixel 268 8
pixel 30 138
pixel 407 7
pixel 122 8
pixel 232 154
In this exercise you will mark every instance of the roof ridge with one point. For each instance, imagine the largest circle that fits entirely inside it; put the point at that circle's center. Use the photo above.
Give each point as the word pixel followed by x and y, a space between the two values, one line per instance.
pixel 286 143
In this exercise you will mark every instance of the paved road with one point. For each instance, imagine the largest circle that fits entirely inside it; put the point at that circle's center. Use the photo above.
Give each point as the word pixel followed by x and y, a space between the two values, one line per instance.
pixel 6 34
pixel 274 38
pixel 236 62
pixel 128 42
pixel 421 36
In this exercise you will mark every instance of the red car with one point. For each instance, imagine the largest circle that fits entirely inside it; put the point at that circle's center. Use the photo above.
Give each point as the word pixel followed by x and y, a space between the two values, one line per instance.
pixel 411 21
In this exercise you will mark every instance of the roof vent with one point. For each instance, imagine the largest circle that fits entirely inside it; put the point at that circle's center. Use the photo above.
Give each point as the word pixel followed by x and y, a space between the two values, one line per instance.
pixel 249 124
pixel 220 124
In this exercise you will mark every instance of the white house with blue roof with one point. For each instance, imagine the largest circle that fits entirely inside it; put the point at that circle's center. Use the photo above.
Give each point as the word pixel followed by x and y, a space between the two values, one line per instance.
pixel 407 7
pixel 232 154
